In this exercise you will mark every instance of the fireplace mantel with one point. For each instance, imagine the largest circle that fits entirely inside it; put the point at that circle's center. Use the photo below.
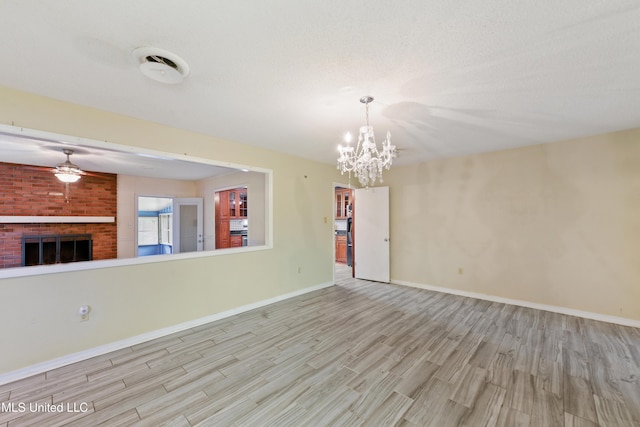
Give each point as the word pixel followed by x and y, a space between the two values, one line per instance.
pixel 15 219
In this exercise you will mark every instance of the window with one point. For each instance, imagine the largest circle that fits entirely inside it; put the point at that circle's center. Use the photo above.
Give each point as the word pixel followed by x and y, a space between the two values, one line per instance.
pixel 166 233
pixel 147 230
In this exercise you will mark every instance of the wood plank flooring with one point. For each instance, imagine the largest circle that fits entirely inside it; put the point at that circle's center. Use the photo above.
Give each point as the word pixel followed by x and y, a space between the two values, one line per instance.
pixel 359 353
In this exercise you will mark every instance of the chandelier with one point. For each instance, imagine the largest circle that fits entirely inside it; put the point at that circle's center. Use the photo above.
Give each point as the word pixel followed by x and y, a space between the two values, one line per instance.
pixel 364 160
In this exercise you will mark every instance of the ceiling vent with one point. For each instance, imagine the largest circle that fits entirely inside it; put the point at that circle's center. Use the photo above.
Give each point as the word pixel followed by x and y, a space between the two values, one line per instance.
pixel 161 65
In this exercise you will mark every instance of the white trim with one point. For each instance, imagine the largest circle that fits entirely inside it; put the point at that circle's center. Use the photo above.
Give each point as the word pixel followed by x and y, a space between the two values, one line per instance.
pixel 552 308
pixel 128 342
pixel 15 219
pixel 36 270
pixel 268 182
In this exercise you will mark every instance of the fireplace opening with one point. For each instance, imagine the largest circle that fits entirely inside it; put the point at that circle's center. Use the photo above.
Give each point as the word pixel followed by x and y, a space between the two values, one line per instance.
pixel 56 249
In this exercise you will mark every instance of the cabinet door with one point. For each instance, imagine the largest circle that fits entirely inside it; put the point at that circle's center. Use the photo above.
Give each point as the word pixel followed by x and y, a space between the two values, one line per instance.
pixel 243 207
pixel 346 201
pixel 236 241
pixel 343 201
pixel 233 203
pixel 222 238
pixel 224 204
pixel 341 249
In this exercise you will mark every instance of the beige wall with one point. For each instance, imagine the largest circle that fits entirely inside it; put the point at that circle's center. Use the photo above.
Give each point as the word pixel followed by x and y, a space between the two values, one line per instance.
pixel 555 224
pixel 129 188
pixel 131 300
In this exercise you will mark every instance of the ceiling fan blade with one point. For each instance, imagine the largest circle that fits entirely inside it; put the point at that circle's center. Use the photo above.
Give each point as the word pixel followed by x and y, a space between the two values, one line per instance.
pixel 39 168
pixel 100 175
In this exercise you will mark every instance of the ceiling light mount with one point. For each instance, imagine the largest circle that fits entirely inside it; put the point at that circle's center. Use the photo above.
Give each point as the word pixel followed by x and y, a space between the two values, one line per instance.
pixel 161 65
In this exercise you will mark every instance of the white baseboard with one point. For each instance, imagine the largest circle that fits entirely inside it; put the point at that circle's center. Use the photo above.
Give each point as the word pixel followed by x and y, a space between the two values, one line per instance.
pixel 128 342
pixel 552 308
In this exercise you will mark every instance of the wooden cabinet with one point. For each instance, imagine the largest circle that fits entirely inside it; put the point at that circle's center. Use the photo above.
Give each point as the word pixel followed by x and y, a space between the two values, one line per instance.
pixel 243 207
pixel 230 204
pixel 222 234
pixel 236 241
pixel 231 196
pixel 341 249
pixel 222 204
pixel 343 202
pixel 237 203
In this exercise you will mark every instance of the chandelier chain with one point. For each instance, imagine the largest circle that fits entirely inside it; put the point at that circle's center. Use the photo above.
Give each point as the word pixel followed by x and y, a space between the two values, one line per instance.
pixel 366 112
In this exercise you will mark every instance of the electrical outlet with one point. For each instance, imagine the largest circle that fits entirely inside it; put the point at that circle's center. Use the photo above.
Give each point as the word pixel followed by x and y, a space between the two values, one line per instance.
pixel 83 312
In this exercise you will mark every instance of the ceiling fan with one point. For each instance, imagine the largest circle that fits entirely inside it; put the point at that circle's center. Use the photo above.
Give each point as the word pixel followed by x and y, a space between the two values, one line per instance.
pixel 67 172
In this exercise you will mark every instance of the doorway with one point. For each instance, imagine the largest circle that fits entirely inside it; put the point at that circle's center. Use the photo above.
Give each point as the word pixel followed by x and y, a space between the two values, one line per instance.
pixel 167 225
pixel 188 227
pixel 343 208
pixel 155 225
pixel 368 225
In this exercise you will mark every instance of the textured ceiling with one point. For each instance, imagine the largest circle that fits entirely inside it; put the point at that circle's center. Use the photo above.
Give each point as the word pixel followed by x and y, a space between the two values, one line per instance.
pixel 449 77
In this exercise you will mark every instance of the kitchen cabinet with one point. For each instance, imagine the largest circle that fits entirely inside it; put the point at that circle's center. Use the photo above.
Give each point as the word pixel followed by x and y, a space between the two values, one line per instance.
pixel 243 208
pixel 222 204
pixel 236 241
pixel 341 248
pixel 231 196
pixel 230 205
pixel 222 234
pixel 343 202
pixel 237 203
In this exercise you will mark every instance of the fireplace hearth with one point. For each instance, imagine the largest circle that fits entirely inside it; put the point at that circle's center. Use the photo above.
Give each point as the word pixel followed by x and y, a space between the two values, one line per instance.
pixel 56 249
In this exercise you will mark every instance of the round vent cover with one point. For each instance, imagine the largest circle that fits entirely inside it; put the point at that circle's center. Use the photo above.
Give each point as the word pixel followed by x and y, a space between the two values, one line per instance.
pixel 161 65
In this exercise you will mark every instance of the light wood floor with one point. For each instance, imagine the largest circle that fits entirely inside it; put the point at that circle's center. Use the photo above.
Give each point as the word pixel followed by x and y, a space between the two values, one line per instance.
pixel 359 353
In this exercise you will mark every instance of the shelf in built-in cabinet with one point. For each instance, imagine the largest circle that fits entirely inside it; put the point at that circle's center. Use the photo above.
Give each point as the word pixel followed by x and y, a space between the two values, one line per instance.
pixel 15 219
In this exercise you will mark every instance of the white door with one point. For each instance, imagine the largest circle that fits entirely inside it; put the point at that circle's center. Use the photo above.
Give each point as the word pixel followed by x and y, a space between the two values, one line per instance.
pixel 371 243
pixel 187 225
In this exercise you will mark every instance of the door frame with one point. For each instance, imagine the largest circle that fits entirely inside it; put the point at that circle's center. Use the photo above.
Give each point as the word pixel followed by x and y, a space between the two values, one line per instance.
pixel 199 202
pixel 335 185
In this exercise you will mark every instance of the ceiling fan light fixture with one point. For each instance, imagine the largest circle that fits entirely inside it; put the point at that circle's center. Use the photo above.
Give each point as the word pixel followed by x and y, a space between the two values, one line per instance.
pixel 67 172
pixel 67 178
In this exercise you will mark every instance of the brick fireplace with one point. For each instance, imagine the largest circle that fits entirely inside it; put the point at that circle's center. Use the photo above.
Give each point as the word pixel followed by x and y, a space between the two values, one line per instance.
pixel 29 191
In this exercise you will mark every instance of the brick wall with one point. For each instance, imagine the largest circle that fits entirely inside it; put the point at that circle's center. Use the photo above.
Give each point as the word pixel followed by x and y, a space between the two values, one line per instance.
pixel 26 190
